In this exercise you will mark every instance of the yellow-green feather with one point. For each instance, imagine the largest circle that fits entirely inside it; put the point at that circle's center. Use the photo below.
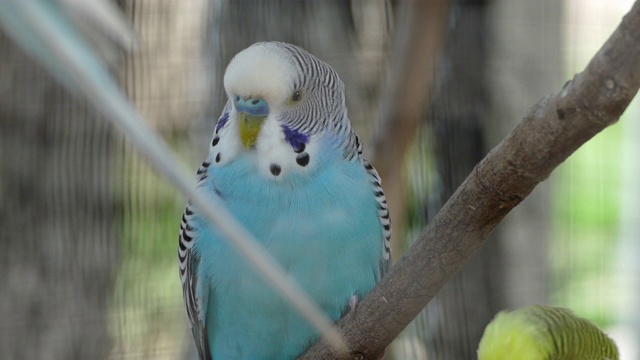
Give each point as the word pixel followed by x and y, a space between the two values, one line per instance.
pixel 544 333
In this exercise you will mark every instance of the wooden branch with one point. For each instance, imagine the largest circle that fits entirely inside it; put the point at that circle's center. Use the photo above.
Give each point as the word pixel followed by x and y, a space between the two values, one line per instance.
pixel 417 42
pixel 551 131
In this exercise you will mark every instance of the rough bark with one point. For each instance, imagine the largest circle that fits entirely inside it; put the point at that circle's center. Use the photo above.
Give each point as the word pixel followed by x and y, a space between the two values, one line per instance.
pixel 457 123
pixel 525 61
pixel 549 133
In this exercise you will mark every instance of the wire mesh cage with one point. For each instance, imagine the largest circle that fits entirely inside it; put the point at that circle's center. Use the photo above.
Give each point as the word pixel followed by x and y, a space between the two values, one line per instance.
pixel 89 230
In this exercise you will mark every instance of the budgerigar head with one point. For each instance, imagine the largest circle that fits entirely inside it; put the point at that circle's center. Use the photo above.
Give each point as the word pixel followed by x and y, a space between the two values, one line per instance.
pixel 544 333
pixel 282 102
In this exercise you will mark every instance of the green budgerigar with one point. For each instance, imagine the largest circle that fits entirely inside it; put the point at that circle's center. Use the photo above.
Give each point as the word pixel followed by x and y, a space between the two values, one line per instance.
pixel 544 333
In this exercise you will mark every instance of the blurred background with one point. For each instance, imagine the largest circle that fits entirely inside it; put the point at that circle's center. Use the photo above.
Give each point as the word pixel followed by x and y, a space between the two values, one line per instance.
pixel 88 232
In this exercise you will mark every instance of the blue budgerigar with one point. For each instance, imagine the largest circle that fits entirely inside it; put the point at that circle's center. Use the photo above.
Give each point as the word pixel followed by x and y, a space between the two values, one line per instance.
pixel 286 163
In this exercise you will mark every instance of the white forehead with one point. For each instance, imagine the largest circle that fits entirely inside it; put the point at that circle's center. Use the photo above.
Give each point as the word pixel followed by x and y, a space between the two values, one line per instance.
pixel 263 70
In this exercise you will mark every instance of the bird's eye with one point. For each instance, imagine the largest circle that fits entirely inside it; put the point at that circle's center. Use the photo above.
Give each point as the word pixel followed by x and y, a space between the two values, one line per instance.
pixel 296 96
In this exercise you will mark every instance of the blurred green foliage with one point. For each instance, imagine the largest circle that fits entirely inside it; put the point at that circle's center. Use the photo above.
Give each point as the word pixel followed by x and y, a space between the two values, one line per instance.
pixel 585 227
pixel 147 294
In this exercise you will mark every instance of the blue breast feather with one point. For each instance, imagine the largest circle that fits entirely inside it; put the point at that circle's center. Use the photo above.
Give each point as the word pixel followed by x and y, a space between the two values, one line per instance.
pixel 323 228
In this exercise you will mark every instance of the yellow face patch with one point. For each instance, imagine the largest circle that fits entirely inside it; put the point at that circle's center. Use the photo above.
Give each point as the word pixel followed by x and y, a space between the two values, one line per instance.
pixel 250 126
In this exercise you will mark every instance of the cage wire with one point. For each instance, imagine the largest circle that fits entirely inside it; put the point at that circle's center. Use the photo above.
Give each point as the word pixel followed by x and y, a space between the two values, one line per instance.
pixel 89 231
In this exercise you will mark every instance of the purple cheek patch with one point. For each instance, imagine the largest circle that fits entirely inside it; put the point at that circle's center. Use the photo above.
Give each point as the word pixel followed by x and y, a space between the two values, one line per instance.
pixel 297 139
pixel 222 121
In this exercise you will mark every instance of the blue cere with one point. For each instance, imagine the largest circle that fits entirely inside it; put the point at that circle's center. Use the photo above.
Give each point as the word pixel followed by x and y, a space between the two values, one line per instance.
pixel 251 106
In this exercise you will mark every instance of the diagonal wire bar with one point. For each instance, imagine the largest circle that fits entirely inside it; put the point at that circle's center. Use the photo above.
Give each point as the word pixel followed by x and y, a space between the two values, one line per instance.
pixel 42 28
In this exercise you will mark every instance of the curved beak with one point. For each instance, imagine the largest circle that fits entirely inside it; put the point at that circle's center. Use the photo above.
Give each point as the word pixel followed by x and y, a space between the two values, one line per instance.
pixel 252 112
pixel 250 126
